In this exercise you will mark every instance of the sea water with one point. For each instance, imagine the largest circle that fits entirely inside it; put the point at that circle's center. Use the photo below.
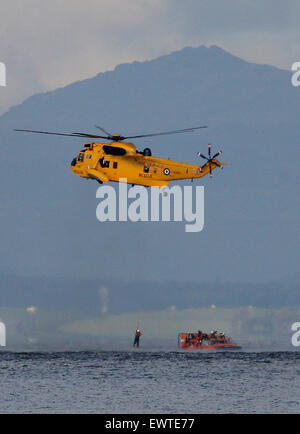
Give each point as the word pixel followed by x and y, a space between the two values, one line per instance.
pixel 150 382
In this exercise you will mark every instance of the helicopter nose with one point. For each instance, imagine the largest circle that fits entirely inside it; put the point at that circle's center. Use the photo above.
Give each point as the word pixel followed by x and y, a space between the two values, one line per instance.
pixel 73 162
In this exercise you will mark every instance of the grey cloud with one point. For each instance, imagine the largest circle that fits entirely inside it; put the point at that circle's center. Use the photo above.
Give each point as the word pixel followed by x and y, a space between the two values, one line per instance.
pixel 232 16
pixel 50 44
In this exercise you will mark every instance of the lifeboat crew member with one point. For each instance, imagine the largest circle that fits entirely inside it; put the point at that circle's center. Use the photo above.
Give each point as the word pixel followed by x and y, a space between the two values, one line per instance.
pixel 199 337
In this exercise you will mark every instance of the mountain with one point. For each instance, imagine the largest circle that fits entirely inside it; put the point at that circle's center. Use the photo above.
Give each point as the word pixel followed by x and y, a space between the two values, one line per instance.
pixel 251 233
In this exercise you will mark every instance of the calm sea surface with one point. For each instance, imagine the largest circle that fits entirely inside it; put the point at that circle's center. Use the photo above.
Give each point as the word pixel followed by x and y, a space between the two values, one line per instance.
pixel 150 382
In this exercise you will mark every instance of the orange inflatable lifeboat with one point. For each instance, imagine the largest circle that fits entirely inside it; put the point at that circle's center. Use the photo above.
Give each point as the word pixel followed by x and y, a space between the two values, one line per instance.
pixel 203 341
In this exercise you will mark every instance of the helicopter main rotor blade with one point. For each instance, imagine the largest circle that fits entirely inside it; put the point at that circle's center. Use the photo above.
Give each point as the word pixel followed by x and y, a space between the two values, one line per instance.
pixel 62 134
pixel 109 136
pixel 104 131
pixel 185 130
pixel 113 138
pixel 46 132
pixel 93 136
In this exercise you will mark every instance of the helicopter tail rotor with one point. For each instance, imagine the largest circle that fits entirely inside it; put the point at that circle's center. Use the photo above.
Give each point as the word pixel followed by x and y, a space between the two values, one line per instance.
pixel 211 159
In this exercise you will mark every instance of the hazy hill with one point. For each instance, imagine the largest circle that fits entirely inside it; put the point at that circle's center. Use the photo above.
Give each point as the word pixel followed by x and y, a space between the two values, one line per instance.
pixel 47 217
pixel 89 297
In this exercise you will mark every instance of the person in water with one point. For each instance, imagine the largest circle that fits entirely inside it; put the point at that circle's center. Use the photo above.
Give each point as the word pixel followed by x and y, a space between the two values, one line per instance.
pixel 137 336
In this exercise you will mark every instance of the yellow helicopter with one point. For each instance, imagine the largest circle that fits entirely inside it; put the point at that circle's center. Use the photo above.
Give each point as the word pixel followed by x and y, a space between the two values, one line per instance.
pixel 119 160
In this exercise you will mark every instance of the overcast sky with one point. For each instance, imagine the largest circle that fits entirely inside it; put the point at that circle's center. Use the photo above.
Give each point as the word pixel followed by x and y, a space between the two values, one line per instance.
pixel 46 45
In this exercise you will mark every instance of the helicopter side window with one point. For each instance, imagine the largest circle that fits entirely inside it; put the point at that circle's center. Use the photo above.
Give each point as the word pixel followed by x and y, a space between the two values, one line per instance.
pixel 114 150
pixel 147 152
pixel 115 165
pixel 103 163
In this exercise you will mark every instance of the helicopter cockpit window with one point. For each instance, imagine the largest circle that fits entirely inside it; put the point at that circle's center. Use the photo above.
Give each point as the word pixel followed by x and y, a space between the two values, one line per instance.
pixel 81 156
pixel 113 150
